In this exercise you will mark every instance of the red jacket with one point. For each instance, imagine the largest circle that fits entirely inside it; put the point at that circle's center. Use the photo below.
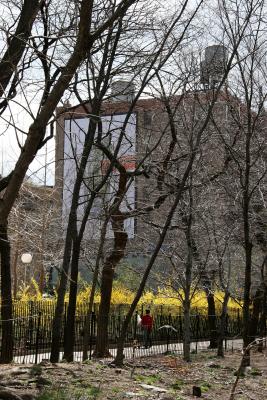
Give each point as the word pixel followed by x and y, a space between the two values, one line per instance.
pixel 147 322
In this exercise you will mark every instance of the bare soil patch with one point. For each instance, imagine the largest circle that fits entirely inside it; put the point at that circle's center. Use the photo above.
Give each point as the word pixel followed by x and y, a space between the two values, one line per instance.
pixel 162 377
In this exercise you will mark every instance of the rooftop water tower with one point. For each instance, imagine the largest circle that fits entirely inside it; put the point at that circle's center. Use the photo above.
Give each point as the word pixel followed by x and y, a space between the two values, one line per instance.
pixel 212 68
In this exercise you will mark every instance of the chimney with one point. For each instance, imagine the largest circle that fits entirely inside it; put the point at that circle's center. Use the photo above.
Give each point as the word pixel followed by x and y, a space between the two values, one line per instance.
pixel 122 91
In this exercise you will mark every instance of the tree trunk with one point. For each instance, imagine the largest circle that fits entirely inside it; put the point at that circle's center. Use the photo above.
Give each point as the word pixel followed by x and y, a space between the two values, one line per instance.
pixel 104 308
pixel 188 273
pixel 247 243
pixel 120 241
pixel 6 296
pixel 246 304
pixel 59 311
pixel 222 327
pixel 187 338
pixel 15 273
pixel 256 309
pixel 207 286
pixel 41 281
pixel 211 317
pixel 69 339
pixel 263 319
pixel 18 42
pixel 86 333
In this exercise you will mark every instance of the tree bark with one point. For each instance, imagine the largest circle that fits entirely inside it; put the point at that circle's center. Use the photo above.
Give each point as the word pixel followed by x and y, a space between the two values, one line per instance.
pixel 188 218
pixel 86 333
pixel 69 339
pixel 187 330
pixel 248 257
pixel 59 311
pixel 207 286
pixel 6 298
pixel 18 42
pixel 120 241
pixel 255 314
pixel 263 318
pixel 212 319
pixel 222 327
pixel 15 273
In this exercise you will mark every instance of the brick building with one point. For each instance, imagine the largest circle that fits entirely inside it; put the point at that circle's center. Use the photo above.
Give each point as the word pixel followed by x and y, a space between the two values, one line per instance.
pixel 158 139
pixel 149 127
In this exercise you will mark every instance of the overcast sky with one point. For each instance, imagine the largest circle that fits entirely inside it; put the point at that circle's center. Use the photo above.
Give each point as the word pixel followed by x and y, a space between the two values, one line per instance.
pixel 9 148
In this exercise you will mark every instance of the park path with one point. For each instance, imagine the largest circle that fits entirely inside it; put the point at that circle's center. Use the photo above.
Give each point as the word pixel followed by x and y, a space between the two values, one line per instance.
pixel 137 352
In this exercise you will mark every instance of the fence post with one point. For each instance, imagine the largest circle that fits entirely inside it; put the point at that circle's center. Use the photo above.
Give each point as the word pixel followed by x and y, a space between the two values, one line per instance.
pixel 31 306
pixel 37 337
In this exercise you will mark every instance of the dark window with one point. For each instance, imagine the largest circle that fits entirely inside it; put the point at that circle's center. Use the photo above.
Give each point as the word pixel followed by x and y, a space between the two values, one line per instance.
pixel 147 118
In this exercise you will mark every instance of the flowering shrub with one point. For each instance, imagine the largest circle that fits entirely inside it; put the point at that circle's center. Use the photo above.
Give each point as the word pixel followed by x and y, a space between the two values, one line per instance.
pixel 123 296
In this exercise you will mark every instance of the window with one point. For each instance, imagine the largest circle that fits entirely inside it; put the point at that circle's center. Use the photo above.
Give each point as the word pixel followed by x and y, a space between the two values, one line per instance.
pixel 147 118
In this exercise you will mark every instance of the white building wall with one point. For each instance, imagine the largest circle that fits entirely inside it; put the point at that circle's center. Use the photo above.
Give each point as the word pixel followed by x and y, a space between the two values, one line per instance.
pixel 74 135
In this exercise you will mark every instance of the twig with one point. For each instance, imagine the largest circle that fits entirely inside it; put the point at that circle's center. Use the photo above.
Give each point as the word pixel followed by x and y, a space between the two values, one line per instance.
pixel 238 374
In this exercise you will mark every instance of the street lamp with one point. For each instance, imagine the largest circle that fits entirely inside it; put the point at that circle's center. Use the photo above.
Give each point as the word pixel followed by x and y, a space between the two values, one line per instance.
pixel 26 259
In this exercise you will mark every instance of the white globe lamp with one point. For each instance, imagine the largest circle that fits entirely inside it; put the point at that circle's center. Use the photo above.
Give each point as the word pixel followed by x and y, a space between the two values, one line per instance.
pixel 26 258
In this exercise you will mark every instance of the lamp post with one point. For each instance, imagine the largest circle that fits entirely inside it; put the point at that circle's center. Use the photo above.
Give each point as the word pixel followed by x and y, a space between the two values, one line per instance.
pixel 26 259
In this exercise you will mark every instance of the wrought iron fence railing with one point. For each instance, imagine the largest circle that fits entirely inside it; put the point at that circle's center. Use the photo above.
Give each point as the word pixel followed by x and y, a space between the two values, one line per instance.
pixel 32 328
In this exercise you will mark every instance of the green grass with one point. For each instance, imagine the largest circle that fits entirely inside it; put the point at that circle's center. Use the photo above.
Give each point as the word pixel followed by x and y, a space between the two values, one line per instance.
pixel 148 380
pixel 91 392
pixel 205 386
pixel 116 390
pixel 177 385
pixel 36 370
pixel 255 372
pixel 53 395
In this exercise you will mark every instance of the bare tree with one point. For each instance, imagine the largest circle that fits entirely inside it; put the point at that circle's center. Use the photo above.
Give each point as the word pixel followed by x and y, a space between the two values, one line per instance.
pixel 162 47
pixel 34 227
pixel 58 71
pixel 248 168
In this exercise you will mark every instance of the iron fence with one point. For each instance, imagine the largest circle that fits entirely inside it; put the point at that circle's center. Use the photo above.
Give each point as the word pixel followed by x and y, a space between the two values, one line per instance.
pixel 33 329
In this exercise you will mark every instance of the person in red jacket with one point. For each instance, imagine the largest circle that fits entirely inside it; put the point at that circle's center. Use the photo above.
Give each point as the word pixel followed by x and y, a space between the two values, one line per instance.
pixel 147 324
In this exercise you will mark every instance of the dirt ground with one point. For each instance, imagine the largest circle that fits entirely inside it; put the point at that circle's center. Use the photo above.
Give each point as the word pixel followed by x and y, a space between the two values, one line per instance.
pixel 162 377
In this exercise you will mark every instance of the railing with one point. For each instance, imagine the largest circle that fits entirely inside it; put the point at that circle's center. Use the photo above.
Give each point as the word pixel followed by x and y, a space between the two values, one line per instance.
pixel 33 329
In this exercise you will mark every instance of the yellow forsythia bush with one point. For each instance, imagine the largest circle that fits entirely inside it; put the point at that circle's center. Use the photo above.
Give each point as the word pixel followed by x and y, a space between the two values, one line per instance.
pixel 121 295
pixel 30 292
pixel 163 297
